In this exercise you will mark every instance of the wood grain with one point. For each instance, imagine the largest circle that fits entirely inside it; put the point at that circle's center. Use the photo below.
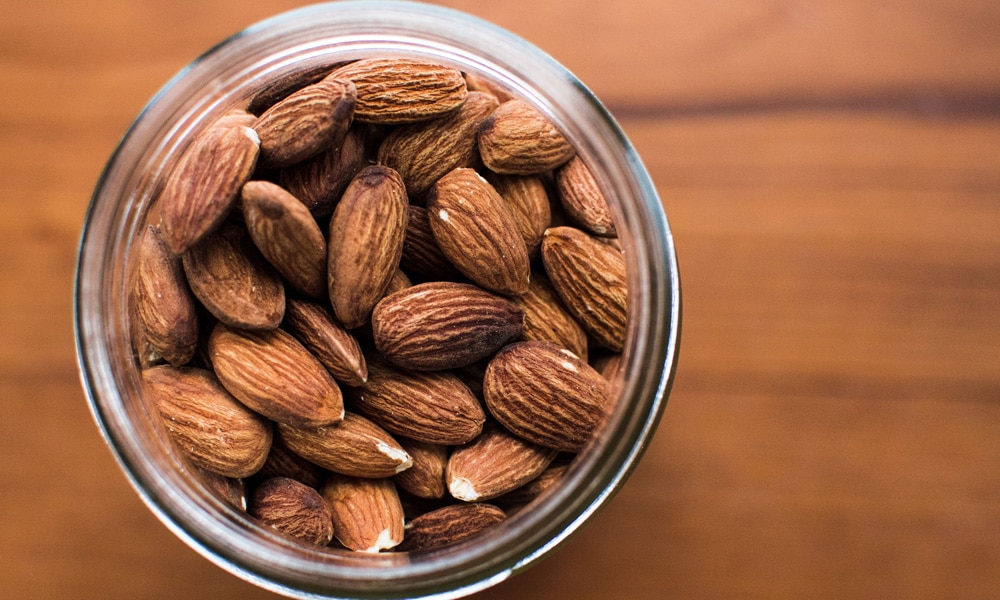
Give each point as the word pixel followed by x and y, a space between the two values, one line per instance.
pixel 832 177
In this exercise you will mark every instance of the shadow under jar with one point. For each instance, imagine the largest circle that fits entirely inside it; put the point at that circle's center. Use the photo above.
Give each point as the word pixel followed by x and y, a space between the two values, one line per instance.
pixel 229 76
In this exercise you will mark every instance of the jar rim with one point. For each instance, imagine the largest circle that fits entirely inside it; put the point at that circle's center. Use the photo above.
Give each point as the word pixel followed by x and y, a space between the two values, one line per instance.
pixel 351 28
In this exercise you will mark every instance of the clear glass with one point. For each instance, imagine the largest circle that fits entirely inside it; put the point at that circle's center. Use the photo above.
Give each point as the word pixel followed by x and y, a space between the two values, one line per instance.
pixel 228 75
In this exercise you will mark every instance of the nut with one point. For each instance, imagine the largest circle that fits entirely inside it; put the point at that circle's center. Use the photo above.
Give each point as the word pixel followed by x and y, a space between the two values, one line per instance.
pixel 367 513
pixel 294 509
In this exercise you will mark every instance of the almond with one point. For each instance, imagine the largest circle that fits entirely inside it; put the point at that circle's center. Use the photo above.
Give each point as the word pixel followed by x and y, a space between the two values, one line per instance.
pixel 233 281
pixel 422 257
pixel 334 346
pixel 607 364
pixel 367 513
pixel 424 152
pixel 394 91
pixel 305 123
pixel 518 139
pixel 443 325
pixel 449 525
pixel 434 407
pixel 294 509
pixel 319 181
pixel 582 198
pixel 546 319
pixel 273 374
pixel 366 243
pixel 200 191
pixel 287 235
pixel 528 202
pixel 399 282
pixel 478 83
pixel 589 277
pixel 478 234
pixel 163 300
pixel 209 426
pixel 545 395
pixel 493 464
pixel 425 479
pixel 355 446
pixel 231 490
pixel 288 83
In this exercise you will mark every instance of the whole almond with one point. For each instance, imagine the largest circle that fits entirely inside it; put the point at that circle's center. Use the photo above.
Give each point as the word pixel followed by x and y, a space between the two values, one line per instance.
pixel 334 346
pixel 200 191
pixel 294 509
pixel 287 235
pixel 283 86
pixel 443 325
pixel 582 198
pixel 546 319
pixel 528 202
pixel 394 91
pixel 434 407
pixel 545 395
pixel 319 181
pixel 367 513
pixel 233 281
pixel 589 277
pixel 478 234
pixel 518 139
pixel 209 426
pixel 366 243
pixel 163 300
pixel 355 446
pixel 477 83
pixel 273 374
pixel 449 525
pixel 425 479
pixel 305 123
pixel 424 152
pixel 399 282
pixel 422 257
pixel 493 464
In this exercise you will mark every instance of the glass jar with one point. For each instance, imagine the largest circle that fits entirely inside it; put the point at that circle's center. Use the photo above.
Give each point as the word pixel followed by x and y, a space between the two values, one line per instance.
pixel 228 75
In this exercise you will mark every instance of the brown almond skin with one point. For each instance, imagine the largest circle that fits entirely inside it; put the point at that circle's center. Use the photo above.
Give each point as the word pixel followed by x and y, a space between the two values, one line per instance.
pixel 233 281
pixel 306 122
pixel 546 319
pixel 213 429
pixel 294 509
pixel 425 479
pixel 449 525
pixel 367 513
pixel 518 139
pixel 202 188
pixel 422 256
pixel 230 489
pixel 530 491
pixel 590 278
pixel 319 181
pixel 285 85
pixel 163 301
pixel 274 375
pixel 545 395
pixel 493 464
pixel 366 243
pixel 334 346
pixel 434 407
pixel 422 153
pixel 282 462
pixel 355 446
pixel 287 235
pixel 478 234
pixel 395 91
pixel 443 325
pixel 527 199
pixel 582 198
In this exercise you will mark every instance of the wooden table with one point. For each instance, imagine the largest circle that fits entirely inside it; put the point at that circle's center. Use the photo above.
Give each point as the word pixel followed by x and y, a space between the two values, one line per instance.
pixel 831 172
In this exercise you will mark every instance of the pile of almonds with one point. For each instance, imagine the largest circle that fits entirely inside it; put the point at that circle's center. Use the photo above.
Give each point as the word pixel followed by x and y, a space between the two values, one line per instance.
pixel 380 306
